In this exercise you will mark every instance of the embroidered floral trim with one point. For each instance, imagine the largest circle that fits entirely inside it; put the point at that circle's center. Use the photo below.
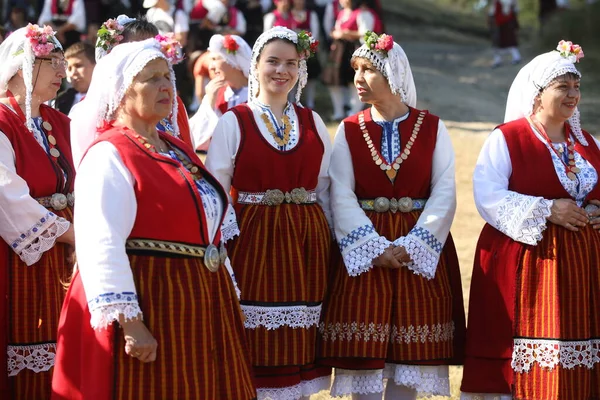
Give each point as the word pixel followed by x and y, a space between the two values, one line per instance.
pixel 229 228
pixel 347 382
pixel 356 235
pixel 550 353
pixel 523 218
pixel 106 308
pixel 423 333
pixel 360 259
pixel 348 331
pixel 586 178
pixel 39 226
pixel 426 380
pixel 485 396
pixel 424 250
pixel 275 317
pixel 37 358
pixel 304 388
pixel 32 252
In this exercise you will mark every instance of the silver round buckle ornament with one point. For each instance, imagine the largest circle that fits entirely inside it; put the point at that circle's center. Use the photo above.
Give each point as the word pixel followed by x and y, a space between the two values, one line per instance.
pixel 405 204
pixel 59 201
pixel 212 258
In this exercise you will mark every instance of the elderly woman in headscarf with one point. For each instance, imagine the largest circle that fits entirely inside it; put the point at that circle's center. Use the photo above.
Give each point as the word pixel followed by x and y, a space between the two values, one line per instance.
pixel 230 58
pixel 151 311
pixel 394 309
pixel 273 156
pixel 36 185
pixel 113 32
pixel 534 309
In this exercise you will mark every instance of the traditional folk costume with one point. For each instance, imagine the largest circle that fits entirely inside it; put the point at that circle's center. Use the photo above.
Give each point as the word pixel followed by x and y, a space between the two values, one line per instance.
pixel 534 319
pixel 36 203
pixel 393 185
pixel 60 12
pixel 232 22
pixel 504 26
pixel 236 52
pixel 339 74
pixel 277 175
pixel 277 18
pixel 136 259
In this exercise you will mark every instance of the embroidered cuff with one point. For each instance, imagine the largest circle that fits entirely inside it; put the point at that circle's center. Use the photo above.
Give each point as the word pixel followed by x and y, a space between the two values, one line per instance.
pixel 360 259
pixel 523 218
pixel 106 308
pixel 229 228
pixel 424 250
pixel 40 238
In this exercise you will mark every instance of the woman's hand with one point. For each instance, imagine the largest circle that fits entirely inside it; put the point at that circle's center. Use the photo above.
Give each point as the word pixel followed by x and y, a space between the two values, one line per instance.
pixel 139 342
pixel 595 215
pixel 401 255
pixel 387 259
pixel 566 213
pixel 212 88
pixel 68 237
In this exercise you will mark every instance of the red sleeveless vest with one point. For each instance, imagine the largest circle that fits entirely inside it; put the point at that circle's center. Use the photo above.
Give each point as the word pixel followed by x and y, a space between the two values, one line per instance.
pixel 259 166
pixel 414 176
pixel 165 192
pixel 532 167
pixel 301 25
pixel 67 12
pixel 33 164
pixel 281 21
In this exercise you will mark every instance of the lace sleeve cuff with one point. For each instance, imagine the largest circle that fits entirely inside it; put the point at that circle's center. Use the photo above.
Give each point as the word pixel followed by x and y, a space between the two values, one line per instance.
pixel 230 228
pixel 424 250
pixel 523 218
pixel 360 259
pixel 40 238
pixel 106 308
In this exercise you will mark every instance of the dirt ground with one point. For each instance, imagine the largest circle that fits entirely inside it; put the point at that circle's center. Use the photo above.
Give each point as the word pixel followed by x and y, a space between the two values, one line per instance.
pixel 454 81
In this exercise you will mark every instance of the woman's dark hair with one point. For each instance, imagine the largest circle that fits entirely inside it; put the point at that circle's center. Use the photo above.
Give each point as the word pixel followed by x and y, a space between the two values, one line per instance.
pixel 273 39
pixel 138 30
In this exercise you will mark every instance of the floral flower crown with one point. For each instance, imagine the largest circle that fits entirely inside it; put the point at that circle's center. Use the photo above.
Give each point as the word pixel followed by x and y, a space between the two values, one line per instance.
pixel 110 34
pixel 381 44
pixel 230 45
pixel 170 47
pixel 307 46
pixel 42 40
pixel 570 51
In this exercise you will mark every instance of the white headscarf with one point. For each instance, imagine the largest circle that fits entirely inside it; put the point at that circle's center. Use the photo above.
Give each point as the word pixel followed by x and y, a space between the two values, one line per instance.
pixel 111 79
pixel 242 57
pixel 16 53
pixel 278 32
pixel 532 79
pixel 394 66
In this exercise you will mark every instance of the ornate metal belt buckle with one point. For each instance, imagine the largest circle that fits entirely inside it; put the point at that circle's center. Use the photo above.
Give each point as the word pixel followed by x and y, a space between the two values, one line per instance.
pixel 212 258
pixel 381 205
pixel 223 253
pixel 58 201
pixel 393 205
pixel 299 196
pixel 71 199
pixel 273 197
pixel 405 204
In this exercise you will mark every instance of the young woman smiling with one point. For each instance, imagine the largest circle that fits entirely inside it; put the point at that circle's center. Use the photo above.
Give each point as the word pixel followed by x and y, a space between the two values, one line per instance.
pixel 273 156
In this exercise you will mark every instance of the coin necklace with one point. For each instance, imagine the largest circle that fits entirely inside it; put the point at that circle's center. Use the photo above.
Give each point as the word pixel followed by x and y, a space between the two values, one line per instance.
pixel 187 164
pixel 47 126
pixel 390 170
pixel 287 129
pixel 570 167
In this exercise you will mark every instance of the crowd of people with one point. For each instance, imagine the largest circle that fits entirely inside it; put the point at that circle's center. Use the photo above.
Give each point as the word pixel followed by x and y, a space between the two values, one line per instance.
pixel 285 264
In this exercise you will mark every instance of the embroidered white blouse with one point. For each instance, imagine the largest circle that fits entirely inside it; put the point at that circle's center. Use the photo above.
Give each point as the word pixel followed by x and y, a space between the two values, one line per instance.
pixel 204 122
pixel 26 226
pixel 359 242
pixel 105 212
pixel 226 142
pixel 521 217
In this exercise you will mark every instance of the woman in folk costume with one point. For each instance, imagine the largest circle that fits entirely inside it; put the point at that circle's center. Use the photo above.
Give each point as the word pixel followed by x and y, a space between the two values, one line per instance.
pixel 280 16
pixel 534 308
pixel 353 21
pixel 230 63
pixel 504 26
pixel 151 312
pixel 125 30
pixel 67 17
pixel 273 156
pixel 36 200
pixel 395 308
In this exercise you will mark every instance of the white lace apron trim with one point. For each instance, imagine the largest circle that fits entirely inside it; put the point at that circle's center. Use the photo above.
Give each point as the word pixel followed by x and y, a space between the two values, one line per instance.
pixel 305 388
pixel 347 331
pixel 485 396
pixel 550 353
pixel 427 380
pixel 300 316
pixel 37 358
pixel 423 333
pixel 347 382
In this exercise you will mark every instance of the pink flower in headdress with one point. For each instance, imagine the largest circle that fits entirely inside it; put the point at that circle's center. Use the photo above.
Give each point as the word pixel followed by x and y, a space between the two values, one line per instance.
pixel 170 47
pixel 109 35
pixel 385 43
pixel 570 51
pixel 42 40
